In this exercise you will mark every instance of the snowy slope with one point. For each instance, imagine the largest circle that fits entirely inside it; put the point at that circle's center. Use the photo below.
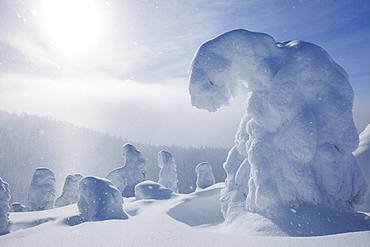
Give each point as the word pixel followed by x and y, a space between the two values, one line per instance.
pixel 173 222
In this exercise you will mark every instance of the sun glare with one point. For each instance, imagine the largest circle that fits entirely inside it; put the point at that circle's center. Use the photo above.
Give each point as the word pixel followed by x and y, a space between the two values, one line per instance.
pixel 74 25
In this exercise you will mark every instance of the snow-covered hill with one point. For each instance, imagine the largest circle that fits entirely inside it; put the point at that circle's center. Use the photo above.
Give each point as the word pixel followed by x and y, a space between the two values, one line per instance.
pixel 183 220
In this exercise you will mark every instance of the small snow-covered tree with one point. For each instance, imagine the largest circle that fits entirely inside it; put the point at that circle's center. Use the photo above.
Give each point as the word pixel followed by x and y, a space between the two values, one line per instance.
pixel 294 144
pixel 5 223
pixel 205 177
pixel 168 173
pixel 133 171
pixel 100 200
pixel 152 190
pixel 70 192
pixel 41 194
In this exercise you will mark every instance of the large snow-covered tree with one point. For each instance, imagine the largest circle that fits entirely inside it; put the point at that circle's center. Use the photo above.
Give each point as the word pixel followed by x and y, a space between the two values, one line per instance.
pixel 294 144
pixel 131 173
pixel 5 223
pixel 168 172
pixel 41 195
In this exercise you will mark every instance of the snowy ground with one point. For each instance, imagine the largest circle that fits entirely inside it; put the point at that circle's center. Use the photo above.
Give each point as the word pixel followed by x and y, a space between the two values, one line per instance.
pixel 183 220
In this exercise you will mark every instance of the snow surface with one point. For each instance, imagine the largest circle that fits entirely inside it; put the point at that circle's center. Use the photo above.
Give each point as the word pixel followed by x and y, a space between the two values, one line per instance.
pixel 294 145
pixel 184 220
pixel 362 155
pixel 99 200
pixel 5 223
pixel 70 192
pixel 41 195
pixel 168 172
pixel 205 176
pixel 133 171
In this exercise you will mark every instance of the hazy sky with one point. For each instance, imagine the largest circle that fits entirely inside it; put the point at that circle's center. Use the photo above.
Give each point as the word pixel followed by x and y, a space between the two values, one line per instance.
pixel 121 66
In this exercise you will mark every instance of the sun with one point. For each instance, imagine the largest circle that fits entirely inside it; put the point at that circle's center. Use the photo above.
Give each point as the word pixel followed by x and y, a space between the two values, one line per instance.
pixel 73 25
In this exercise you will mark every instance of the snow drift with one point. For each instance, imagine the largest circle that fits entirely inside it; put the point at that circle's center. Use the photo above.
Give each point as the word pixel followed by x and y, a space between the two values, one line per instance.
pixel 294 144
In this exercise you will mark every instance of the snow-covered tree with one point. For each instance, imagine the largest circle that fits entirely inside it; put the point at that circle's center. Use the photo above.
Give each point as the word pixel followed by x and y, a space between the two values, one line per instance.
pixel 294 145
pixel 18 207
pixel 133 171
pixel 152 190
pixel 41 195
pixel 362 155
pixel 168 173
pixel 205 177
pixel 100 200
pixel 5 223
pixel 70 192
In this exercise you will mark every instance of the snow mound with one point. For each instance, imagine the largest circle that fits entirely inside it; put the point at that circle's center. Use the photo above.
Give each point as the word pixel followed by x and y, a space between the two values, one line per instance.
pixel 133 171
pixel 41 194
pixel 100 200
pixel 294 144
pixel 152 190
pixel 70 194
pixel 362 155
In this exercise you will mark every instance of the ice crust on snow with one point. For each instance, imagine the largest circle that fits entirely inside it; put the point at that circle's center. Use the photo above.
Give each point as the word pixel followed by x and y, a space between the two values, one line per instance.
pixel 168 172
pixel 205 176
pixel 294 144
pixel 5 223
pixel 70 192
pixel 133 171
pixel 100 200
pixel 41 195
pixel 152 190
pixel 362 155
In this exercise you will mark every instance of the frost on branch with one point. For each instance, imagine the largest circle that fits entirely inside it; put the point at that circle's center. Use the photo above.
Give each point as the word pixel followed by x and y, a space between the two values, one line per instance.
pixel 100 200
pixel 70 192
pixel 168 173
pixel 41 195
pixel 294 144
pixel 133 171
pixel 5 223
pixel 205 177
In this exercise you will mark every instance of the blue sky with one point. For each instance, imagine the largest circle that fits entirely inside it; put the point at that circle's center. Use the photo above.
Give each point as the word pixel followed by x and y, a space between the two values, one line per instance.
pixel 122 66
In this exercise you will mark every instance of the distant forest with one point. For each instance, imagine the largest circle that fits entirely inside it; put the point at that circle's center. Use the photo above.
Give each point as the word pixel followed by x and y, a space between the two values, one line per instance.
pixel 28 141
